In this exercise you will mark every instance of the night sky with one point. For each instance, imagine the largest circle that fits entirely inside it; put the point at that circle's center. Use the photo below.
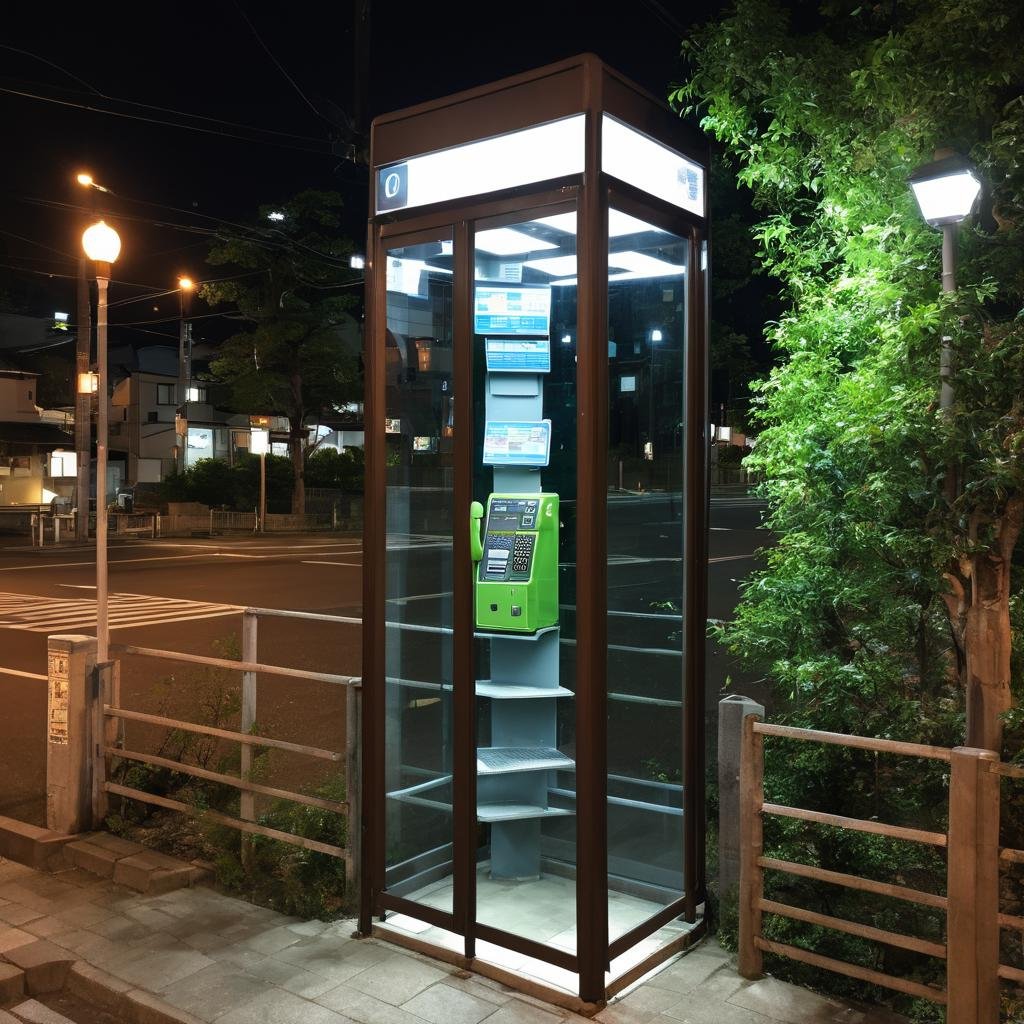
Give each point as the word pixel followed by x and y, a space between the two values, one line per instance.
pixel 212 61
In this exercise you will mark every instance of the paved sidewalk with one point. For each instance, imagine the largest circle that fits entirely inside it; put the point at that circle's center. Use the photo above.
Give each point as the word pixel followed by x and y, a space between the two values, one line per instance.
pixel 221 959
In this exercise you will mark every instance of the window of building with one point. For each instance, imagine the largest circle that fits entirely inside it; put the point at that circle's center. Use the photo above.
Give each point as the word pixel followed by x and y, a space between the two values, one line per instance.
pixel 165 394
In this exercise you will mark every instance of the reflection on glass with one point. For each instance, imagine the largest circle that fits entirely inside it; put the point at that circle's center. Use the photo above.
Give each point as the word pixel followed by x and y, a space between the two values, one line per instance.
pixel 418 632
pixel 646 331
pixel 524 408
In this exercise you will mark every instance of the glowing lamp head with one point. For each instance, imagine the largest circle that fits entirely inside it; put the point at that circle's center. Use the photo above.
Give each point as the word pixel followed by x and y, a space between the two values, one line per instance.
pixel 259 441
pixel 186 284
pixel 85 180
pixel 101 243
pixel 946 190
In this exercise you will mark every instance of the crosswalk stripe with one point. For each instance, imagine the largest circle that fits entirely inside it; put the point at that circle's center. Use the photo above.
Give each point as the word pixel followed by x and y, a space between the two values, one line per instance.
pixel 39 614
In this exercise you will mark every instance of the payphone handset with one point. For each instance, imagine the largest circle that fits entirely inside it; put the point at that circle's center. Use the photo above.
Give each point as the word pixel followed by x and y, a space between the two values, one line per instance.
pixel 516 580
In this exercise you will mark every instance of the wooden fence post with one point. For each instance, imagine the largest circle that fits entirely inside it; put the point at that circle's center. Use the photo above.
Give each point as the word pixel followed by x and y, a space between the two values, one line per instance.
pixel 972 923
pixel 250 650
pixel 353 785
pixel 751 959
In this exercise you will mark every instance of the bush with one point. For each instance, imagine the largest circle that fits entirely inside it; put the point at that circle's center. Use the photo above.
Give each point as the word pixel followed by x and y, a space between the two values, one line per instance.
pixel 270 872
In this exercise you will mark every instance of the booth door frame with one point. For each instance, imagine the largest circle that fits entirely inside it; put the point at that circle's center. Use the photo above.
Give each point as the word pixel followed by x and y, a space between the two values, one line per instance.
pixel 458 222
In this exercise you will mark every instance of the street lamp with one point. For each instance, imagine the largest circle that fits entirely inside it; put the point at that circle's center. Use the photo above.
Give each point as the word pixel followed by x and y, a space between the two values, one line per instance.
pixel 654 338
pixel 185 287
pixel 102 245
pixel 946 190
pixel 259 442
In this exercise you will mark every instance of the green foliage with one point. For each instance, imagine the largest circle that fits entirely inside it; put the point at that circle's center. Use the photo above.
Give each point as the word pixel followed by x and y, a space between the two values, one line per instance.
pixel 288 878
pixel 338 470
pixel 298 355
pixel 219 485
pixel 823 115
pixel 275 874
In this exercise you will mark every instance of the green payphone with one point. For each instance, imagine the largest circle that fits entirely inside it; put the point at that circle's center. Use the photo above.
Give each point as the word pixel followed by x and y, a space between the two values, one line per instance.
pixel 517 578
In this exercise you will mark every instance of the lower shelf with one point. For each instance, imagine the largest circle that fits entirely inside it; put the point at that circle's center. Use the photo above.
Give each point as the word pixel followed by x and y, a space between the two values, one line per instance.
pixel 500 760
pixel 518 812
pixel 518 691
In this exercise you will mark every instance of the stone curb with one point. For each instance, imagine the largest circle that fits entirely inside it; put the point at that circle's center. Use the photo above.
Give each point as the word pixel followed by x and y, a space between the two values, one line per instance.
pixel 106 992
pixel 99 853
pixel 35 847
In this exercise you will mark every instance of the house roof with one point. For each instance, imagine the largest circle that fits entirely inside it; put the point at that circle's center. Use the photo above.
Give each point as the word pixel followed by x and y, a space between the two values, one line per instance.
pixel 46 434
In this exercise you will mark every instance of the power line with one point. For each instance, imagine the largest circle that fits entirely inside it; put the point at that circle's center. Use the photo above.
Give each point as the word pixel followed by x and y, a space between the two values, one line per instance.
pixel 249 234
pixel 277 63
pixel 42 245
pixel 25 93
pixel 63 71
pixel 70 277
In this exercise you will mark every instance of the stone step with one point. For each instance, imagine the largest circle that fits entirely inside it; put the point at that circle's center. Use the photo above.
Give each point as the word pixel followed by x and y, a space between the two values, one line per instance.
pixel 12 984
pixel 33 1012
pixel 132 864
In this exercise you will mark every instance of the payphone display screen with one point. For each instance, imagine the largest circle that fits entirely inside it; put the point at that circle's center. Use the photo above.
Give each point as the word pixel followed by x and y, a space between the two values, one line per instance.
pixel 509 540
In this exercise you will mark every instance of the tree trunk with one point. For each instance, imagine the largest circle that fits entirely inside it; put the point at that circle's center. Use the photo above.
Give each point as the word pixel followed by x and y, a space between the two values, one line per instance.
pixel 295 450
pixel 987 635
pixel 296 445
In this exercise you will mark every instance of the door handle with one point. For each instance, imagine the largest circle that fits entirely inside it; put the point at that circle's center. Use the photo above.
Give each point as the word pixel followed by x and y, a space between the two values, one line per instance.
pixel 476 547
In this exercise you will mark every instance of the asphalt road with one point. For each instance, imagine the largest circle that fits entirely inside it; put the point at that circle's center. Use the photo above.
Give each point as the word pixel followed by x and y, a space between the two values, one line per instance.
pixel 187 595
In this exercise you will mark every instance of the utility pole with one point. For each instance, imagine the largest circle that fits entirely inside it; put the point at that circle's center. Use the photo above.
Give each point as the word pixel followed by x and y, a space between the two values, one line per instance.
pixel 83 402
pixel 185 287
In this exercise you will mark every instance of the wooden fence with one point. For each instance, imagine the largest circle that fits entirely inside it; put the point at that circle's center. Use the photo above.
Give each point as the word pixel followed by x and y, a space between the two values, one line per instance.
pixel 109 717
pixel 971 903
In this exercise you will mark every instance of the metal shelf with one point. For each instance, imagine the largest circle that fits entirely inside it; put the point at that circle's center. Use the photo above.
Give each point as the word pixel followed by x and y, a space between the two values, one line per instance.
pixel 518 691
pixel 499 635
pixel 505 760
pixel 518 812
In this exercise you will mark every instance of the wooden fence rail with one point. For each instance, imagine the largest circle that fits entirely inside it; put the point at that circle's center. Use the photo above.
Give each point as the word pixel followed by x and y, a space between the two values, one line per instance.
pixel 109 724
pixel 971 906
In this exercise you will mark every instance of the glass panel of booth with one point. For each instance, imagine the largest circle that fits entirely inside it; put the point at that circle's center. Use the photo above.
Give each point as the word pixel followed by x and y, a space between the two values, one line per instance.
pixel 524 481
pixel 418 655
pixel 647 322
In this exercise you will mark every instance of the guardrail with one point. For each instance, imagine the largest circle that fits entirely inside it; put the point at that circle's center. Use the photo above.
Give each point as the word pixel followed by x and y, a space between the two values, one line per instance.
pixel 109 717
pixel 971 903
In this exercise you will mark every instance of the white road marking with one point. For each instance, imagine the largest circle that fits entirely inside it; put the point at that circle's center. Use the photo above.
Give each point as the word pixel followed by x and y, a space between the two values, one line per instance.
pixel 113 562
pixel 38 614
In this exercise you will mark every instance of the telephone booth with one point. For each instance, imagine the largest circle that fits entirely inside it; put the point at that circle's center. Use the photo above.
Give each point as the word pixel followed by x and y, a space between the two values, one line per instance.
pixel 535 545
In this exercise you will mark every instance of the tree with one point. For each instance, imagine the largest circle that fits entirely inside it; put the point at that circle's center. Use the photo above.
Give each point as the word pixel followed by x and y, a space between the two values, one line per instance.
pixel 884 588
pixel 297 358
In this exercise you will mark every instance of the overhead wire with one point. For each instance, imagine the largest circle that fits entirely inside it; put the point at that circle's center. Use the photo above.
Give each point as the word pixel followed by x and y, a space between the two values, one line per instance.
pixel 25 93
pixel 70 277
pixel 252 236
pixel 41 245
pixel 169 110
pixel 280 67
pixel 62 70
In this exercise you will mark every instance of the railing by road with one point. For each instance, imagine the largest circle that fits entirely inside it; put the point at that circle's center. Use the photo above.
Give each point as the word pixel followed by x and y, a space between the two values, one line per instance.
pixel 971 903
pixel 109 716
pixel 46 527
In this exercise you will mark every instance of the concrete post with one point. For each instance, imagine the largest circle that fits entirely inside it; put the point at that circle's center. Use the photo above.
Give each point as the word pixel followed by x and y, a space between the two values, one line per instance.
pixel 731 712
pixel 71 663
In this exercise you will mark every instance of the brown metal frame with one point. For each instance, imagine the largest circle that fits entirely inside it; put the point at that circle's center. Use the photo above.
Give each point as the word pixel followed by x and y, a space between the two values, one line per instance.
pixel 579 85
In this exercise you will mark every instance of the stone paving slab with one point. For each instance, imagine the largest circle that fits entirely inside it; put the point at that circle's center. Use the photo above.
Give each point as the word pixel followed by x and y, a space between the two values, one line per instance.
pixel 197 956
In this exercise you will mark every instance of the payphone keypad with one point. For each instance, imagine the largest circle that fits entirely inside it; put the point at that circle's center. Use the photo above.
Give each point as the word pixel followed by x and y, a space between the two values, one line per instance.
pixel 522 551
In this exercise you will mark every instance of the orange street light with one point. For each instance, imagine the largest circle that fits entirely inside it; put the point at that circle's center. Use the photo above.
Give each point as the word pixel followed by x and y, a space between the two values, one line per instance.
pixel 87 181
